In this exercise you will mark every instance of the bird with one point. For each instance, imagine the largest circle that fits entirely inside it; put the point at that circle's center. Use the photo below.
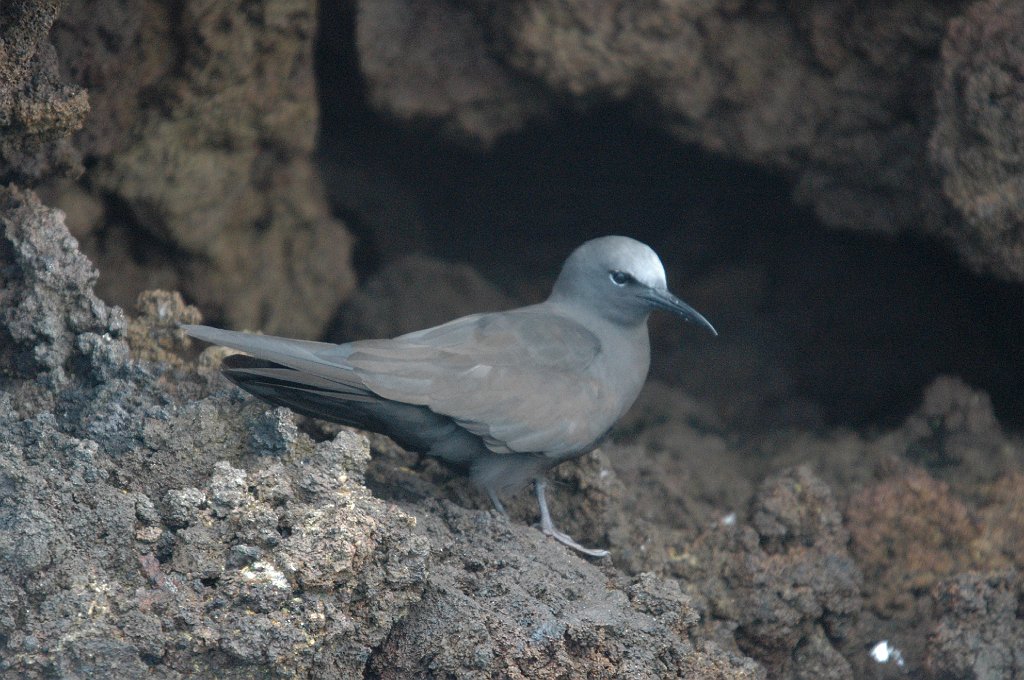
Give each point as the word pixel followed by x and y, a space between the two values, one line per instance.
pixel 504 396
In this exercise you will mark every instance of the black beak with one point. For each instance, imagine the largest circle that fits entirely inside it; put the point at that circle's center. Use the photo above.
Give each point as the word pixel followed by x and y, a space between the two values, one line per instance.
pixel 662 299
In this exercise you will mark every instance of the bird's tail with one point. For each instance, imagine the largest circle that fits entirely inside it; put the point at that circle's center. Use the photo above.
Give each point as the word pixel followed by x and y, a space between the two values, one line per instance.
pixel 297 354
pixel 316 380
pixel 308 377
pixel 304 393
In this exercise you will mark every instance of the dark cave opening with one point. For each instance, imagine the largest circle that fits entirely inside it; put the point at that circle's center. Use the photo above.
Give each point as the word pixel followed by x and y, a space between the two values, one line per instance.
pixel 827 327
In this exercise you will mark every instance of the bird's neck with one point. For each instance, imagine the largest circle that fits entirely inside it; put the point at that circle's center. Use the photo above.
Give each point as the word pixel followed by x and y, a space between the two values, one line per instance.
pixel 626 355
pixel 598 311
pixel 627 343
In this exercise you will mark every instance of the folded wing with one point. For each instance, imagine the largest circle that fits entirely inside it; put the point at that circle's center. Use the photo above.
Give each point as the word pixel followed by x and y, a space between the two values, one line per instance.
pixel 518 380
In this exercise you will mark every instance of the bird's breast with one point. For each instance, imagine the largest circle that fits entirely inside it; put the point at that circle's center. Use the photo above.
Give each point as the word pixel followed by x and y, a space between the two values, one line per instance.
pixel 609 388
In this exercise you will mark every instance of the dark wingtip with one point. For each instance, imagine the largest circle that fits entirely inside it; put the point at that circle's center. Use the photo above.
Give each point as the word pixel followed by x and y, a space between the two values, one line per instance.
pixel 243 361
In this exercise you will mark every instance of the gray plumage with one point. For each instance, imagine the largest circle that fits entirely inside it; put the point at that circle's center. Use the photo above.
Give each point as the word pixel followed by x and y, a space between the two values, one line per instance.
pixel 505 395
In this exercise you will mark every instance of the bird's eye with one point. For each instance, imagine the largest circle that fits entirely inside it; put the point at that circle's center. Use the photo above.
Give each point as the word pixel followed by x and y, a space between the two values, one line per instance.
pixel 620 278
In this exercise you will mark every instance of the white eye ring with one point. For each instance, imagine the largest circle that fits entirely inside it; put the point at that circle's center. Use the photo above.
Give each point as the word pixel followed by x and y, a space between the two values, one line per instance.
pixel 620 279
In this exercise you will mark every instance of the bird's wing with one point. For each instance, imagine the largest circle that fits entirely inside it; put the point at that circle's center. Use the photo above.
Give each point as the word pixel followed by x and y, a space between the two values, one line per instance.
pixel 518 379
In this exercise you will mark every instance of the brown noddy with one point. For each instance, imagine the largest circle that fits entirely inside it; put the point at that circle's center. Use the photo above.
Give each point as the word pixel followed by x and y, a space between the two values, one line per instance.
pixel 505 395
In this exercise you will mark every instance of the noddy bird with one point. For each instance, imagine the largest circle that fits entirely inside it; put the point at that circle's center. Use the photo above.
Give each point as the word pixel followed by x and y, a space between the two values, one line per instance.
pixel 506 396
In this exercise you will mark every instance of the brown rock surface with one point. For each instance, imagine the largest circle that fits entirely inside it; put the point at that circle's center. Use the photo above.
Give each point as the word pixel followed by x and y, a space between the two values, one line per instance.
pixel 908 532
pixel 786 580
pixel 978 141
pixel 199 149
pixel 38 109
pixel 431 61
pixel 1002 518
pixel 979 629
pixel 538 612
pixel 759 82
pixel 154 333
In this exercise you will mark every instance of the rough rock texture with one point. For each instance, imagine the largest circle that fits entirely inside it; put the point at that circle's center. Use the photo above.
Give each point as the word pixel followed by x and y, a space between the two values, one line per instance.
pixel 50 320
pixel 956 436
pixel 676 449
pixel 201 180
pixel 151 525
pixel 154 333
pixel 38 109
pixel 787 580
pixel 1002 518
pixel 978 140
pixel 912 531
pixel 867 105
pixel 979 632
pixel 431 61
pixel 693 510
pixel 776 581
pixel 757 81
pixel 541 613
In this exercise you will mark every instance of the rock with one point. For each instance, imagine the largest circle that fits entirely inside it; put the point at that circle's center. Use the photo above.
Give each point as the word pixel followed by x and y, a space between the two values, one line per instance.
pixel 908 532
pixel 153 521
pixel 38 109
pixel 442 70
pixel 503 600
pixel 201 153
pixel 154 333
pixel 273 565
pixel 831 93
pixel 787 580
pixel 979 630
pixel 758 83
pixel 51 323
pixel 1001 517
pixel 977 145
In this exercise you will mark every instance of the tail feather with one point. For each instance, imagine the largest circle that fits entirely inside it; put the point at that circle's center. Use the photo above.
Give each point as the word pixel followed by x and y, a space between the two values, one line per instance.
pixel 315 379
pixel 302 392
pixel 246 371
pixel 415 428
pixel 322 359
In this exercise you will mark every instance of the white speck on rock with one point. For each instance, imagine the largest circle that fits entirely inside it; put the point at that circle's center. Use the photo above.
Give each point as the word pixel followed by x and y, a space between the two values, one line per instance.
pixel 883 652
pixel 266 573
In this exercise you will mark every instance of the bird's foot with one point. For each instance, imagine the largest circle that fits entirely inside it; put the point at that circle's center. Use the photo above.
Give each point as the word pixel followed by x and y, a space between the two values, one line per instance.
pixel 548 527
pixel 496 502
pixel 566 539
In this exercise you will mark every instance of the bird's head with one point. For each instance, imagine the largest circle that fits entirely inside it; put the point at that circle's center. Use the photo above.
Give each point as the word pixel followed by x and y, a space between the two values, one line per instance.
pixel 622 280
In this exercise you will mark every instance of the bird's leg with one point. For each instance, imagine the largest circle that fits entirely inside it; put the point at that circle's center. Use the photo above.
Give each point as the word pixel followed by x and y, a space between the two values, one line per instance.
pixel 496 502
pixel 549 529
